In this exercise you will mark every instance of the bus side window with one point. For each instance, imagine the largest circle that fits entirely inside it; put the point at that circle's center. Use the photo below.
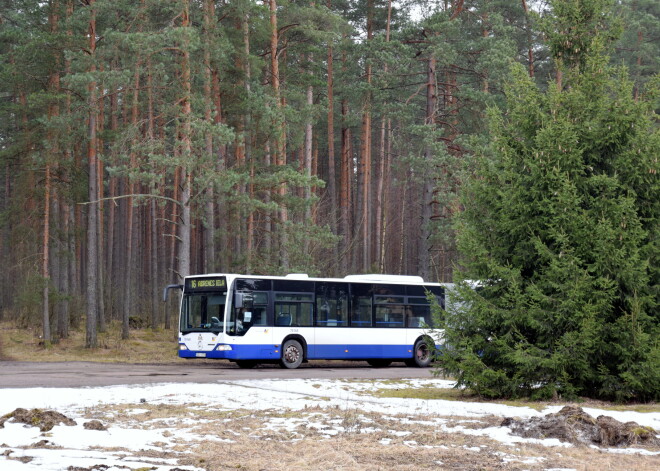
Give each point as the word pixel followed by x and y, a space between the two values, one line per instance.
pixel 361 305
pixel 259 308
pixel 421 317
pixel 331 304
pixel 282 317
pixel 294 309
pixel 259 316
pixel 389 315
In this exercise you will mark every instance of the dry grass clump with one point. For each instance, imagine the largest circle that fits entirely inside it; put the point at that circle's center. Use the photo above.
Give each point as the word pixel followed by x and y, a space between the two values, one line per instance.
pixel 364 452
pixel 346 452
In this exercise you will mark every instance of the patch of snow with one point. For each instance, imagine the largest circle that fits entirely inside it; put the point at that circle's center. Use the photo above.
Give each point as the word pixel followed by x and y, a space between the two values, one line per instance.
pixel 59 459
pixel 629 451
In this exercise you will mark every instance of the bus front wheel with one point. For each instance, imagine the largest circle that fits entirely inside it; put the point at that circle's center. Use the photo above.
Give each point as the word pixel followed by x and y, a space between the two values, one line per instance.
pixel 292 354
pixel 421 355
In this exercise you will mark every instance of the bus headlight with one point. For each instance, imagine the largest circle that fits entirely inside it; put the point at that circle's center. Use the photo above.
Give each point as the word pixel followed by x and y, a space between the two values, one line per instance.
pixel 182 347
pixel 223 348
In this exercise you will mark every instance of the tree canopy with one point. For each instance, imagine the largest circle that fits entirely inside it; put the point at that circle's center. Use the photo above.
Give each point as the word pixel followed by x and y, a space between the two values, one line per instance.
pixel 144 141
pixel 560 227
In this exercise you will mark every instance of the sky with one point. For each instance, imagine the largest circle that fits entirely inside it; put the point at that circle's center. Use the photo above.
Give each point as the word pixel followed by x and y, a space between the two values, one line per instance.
pixel 79 447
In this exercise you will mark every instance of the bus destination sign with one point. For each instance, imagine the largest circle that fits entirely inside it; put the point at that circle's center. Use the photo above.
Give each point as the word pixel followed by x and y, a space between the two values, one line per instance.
pixel 206 284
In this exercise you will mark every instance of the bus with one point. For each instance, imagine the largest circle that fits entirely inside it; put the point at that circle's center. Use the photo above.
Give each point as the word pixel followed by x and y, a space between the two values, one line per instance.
pixel 291 319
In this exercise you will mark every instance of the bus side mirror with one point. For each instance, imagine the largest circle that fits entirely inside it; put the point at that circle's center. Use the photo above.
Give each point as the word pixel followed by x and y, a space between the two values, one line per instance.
pixel 169 287
pixel 242 300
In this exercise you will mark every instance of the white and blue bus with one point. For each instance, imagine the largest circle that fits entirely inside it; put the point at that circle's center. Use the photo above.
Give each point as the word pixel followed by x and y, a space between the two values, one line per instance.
pixel 292 319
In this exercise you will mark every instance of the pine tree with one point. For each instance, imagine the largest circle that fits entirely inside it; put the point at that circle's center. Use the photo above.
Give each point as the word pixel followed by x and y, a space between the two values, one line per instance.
pixel 639 48
pixel 560 227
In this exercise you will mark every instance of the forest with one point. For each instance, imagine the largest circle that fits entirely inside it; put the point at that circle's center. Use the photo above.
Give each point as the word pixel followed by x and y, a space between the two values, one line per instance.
pixel 143 141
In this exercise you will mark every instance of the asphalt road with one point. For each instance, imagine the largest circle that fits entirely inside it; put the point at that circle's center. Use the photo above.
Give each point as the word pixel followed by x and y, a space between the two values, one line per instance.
pixel 16 374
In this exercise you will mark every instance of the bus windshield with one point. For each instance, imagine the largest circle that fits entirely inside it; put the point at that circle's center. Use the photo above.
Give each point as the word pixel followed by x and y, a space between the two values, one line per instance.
pixel 203 312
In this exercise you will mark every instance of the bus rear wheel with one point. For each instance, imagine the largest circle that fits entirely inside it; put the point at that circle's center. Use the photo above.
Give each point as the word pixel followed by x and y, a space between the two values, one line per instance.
pixel 292 354
pixel 421 355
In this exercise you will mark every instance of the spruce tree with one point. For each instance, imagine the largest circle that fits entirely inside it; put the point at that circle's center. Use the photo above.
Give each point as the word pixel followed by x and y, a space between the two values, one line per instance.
pixel 560 227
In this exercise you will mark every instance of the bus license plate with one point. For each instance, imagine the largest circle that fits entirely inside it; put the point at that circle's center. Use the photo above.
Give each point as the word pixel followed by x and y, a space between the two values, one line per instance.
pixel 200 355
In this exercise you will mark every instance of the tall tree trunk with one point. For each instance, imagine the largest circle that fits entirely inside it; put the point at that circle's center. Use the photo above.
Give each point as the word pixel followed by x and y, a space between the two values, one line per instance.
pixel 45 260
pixel 402 227
pixel 530 46
pixel 100 122
pixel 427 189
pixel 280 139
pixel 130 215
pixel 249 243
pixel 386 194
pixel 308 159
pixel 382 157
pixel 185 225
pixel 67 243
pixel 239 154
pixel 79 287
pixel 345 188
pixel 365 153
pixel 64 273
pixel 332 177
pixel 111 226
pixel 51 152
pixel 345 180
pixel 174 220
pixel 221 156
pixel 92 210
pixel 638 63
pixel 268 216
pixel 380 197
pixel 209 205
pixel 156 279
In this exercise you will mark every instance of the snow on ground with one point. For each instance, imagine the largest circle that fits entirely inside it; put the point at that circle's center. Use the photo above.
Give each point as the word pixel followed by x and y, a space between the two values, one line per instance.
pixel 122 447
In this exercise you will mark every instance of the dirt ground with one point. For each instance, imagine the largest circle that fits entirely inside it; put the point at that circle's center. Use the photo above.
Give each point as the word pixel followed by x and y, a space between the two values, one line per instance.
pixel 572 425
pixel 337 439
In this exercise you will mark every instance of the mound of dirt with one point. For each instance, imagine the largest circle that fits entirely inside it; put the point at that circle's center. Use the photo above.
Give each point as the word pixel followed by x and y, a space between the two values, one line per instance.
pixel 573 425
pixel 95 425
pixel 44 419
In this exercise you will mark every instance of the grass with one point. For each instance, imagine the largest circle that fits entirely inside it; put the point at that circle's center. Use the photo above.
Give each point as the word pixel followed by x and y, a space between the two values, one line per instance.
pixel 142 346
pixel 430 393
pixel 455 395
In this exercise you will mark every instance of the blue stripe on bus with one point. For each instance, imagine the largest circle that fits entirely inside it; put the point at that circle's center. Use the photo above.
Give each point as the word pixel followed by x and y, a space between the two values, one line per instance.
pixel 350 352
pixel 324 352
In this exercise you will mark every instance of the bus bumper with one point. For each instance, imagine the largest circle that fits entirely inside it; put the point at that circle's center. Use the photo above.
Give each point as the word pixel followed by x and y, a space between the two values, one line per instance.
pixel 233 352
